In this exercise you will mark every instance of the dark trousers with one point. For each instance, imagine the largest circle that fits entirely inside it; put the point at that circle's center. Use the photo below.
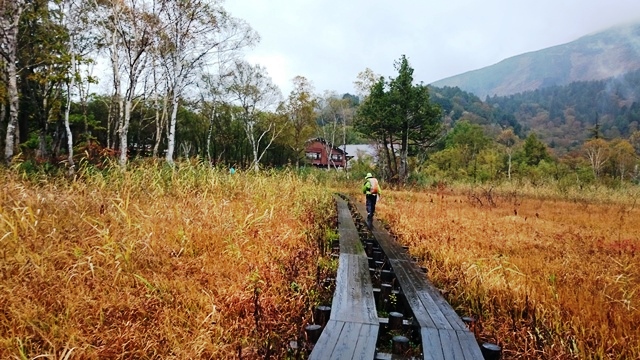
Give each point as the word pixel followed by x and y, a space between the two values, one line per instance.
pixel 371 205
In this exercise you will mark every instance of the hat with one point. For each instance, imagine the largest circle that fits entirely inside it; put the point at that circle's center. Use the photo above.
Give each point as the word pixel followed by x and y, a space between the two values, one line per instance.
pixel 368 176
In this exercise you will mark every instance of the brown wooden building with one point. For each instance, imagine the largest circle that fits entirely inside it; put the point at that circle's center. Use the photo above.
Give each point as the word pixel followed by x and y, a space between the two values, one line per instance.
pixel 317 154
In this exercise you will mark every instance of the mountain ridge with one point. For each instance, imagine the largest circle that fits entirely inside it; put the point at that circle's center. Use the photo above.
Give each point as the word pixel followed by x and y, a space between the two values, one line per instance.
pixel 597 56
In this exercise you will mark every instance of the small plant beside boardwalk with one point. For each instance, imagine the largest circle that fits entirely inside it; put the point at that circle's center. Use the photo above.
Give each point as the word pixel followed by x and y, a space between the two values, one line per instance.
pixel 546 278
pixel 158 262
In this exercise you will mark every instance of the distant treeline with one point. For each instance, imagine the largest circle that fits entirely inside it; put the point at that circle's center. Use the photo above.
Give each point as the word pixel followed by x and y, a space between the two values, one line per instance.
pixel 563 117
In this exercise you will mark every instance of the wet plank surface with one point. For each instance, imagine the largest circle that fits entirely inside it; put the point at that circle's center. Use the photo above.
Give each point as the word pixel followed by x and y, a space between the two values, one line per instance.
pixel 444 334
pixel 352 330
pixel 441 344
pixel 353 298
pixel 346 340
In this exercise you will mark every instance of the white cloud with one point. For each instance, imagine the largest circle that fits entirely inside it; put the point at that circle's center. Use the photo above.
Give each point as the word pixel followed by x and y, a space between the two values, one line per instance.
pixel 329 42
pixel 278 67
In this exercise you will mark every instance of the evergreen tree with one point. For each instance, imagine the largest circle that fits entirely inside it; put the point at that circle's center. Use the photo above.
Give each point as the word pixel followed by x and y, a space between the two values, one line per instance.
pixel 535 150
pixel 400 113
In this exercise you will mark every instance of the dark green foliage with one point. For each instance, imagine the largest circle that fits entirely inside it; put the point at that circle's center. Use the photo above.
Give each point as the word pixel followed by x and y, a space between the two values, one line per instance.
pixel 400 116
pixel 567 115
pixel 534 150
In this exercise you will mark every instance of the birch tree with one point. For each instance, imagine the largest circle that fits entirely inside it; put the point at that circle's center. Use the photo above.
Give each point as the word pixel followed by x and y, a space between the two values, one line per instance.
pixel 508 139
pixel 160 104
pixel 212 99
pixel 193 30
pixel 299 108
pixel 75 19
pixel 623 156
pixel 130 25
pixel 334 115
pixel 10 12
pixel 597 151
pixel 255 94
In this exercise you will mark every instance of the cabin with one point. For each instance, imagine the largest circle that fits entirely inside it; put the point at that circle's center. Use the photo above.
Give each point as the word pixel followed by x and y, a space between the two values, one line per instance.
pixel 317 154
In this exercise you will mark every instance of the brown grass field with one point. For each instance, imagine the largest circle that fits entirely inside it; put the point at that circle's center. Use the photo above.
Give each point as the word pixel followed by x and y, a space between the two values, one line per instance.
pixel 156 263
pixel 546 279
pixel 186 263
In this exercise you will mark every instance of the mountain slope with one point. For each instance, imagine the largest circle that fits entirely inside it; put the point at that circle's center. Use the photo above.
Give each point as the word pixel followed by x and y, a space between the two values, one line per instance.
pixel 594 57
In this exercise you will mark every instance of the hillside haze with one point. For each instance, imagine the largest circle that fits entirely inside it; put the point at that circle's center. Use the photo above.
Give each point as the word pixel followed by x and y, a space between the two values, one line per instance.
pixel 593 57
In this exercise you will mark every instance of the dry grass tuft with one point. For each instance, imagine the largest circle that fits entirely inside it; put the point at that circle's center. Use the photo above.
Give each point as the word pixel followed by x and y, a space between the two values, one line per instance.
pixel 548 279
pixel 158 263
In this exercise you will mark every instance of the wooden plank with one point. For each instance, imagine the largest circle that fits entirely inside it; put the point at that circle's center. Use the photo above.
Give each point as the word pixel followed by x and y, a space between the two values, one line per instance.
pixel 345 346
pixel 435 312
pixel 431 344
pixel 349 237
pixel 366 291
pixel 346 340
pixel 419 284
pixel 452 317
pixel 326 343
pixel 444 334
pixel 436 304
pixel 450 345
pixel 470 347
pixel 365 348
pixel 391 248
pixel 417 307
pixel 353 298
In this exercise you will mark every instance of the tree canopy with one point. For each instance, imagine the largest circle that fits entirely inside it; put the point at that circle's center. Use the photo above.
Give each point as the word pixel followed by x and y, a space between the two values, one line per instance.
pixel 400 116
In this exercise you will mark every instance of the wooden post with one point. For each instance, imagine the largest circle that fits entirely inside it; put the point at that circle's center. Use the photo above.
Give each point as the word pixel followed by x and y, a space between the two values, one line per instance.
pixel 395 320
pixel 470 321
pixel 377 255
pixel 321 315
pixel 369 248
pixel 313 333
pixel 400 345
pixel 491 351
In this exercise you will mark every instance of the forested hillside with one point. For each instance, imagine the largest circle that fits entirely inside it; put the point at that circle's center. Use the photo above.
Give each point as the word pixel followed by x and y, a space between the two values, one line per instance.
pixel 562 116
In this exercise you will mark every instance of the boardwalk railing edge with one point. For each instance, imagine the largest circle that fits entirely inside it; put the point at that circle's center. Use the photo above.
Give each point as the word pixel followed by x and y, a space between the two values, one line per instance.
pixel 444 334
pixel 352 329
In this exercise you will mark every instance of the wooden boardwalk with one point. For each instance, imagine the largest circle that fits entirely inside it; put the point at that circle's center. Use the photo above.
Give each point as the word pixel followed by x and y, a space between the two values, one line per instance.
pixel 352 329
pixel 444 334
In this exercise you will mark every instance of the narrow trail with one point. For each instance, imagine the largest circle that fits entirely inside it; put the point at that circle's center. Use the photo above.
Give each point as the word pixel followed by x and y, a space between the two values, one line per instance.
pixel 384 307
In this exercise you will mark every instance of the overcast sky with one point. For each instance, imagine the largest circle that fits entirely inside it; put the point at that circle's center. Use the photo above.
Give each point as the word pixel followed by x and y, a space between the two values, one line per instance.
pixel 330 41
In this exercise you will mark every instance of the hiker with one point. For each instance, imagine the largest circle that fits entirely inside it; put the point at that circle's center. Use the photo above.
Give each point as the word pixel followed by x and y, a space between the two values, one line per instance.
pixel 371 189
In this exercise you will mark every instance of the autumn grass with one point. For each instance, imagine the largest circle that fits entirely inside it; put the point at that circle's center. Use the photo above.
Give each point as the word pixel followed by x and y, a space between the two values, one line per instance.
pixel 547 278
pixel 158 262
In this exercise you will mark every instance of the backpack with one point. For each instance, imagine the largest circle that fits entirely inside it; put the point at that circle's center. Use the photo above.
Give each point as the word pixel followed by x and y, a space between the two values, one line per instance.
pixel 374 185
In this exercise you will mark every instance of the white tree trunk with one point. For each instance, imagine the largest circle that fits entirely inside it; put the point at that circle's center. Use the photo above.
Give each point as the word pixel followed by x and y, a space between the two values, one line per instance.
pixel 176 88
pixel 210 132
pixel 124 132
pixel 171 138
pixel 12 90
pixel 117 92
pixel 509 166
pixel 10 43
pixel 67 110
